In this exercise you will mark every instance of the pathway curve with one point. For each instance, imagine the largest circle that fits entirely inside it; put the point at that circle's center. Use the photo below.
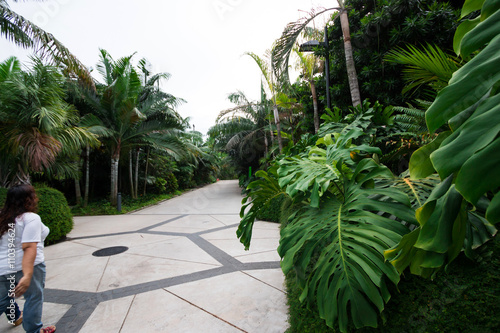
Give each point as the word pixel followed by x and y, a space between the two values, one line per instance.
pixel 184 271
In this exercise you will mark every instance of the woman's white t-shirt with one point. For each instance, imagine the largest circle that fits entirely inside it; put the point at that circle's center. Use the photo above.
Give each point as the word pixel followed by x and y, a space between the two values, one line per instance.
pixel 28 229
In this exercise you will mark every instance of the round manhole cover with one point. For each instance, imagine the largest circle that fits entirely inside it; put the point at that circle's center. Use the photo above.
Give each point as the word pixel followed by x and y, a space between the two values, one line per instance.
pixel 110 251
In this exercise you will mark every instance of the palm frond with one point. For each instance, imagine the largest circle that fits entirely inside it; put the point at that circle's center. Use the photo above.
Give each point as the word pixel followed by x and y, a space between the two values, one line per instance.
pixel 285 44
pixel 427 66
pixel 26 34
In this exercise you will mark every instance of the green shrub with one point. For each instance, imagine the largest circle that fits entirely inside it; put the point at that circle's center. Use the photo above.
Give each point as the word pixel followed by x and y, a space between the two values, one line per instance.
pixel 55 213
pixel 166 185
pixel 53 210
pixel 171 186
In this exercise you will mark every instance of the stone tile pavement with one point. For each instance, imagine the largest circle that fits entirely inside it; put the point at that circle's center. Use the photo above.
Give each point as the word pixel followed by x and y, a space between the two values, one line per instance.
pixel 184 271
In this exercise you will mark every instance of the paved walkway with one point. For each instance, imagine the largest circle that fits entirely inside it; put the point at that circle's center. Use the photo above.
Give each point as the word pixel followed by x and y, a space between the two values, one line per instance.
pixel 184 271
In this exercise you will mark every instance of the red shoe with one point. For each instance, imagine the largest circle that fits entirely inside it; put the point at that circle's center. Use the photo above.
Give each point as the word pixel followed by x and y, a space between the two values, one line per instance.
pixel 48 329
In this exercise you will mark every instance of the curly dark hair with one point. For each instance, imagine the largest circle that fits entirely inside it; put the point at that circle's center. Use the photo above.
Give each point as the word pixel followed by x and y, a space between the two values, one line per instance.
pixel 20 199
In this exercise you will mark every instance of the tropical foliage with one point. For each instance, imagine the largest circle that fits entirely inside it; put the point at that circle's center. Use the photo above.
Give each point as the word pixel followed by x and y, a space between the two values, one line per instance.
pixel 26 34
pixel 39 130
pixel 462 210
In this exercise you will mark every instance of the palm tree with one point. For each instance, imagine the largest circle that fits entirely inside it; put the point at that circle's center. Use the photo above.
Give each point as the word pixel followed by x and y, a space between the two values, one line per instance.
pixel 309 65
pixel 240 129
pixel 116 110
pixel 26 34
pixel 275 87
pixel 158 105
pixel 39 131
pixel 285 44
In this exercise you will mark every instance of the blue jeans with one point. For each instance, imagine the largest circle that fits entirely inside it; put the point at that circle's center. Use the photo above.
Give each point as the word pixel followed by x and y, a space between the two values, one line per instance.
pixel 12 312
pixel 32 314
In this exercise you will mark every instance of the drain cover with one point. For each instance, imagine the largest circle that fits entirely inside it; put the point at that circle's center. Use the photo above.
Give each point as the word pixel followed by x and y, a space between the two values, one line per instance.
pixel 110 251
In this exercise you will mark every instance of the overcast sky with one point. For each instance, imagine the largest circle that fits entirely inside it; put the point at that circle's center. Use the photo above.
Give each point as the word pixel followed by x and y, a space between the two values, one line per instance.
pixel 199 42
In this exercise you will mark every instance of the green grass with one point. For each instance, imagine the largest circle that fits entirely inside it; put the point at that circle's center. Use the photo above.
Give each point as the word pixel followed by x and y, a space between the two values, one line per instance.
pixel 103 207
pixel 465 299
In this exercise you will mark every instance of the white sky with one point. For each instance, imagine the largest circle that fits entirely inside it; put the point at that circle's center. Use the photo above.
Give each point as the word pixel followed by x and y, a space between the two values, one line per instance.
pixel 199 42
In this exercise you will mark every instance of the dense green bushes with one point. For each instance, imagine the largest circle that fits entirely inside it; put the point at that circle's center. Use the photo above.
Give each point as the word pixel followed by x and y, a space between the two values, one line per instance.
pixel 463 300
pixel 53 210
pixel 55 213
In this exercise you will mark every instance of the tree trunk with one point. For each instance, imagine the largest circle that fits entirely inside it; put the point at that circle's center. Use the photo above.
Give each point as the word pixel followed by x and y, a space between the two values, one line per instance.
pixel 351 68
pixel 130 174
pixel 78 192
pixel 278 126
pixel 115 159
pixel 146 172
pixel 315 106
pixel 266 143
pixel 136 183
pixel 87 180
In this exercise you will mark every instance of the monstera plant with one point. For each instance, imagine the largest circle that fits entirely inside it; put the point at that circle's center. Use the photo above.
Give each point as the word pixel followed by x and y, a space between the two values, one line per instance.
pixel 342 216
pixel 461 212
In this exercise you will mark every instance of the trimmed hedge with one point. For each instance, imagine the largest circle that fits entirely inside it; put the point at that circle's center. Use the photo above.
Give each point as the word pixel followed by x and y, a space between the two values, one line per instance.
pixel 53 210
pixel 463 300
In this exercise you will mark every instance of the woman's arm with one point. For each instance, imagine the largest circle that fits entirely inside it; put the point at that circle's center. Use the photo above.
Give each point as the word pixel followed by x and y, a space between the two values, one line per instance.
pixel 28 266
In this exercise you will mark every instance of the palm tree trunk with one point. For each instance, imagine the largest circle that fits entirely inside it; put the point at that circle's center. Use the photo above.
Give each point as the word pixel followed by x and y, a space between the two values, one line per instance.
pixel 278 126
pixel 266 143
pixel 136 183
pixel 315 106
pixel 78 192
pixel 87 180
pixel 351 68
pixel 130 174
pixel 115 159
pixel 146 172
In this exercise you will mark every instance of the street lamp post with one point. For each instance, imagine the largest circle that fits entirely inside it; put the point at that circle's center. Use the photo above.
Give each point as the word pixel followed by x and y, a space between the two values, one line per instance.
pixel 309 47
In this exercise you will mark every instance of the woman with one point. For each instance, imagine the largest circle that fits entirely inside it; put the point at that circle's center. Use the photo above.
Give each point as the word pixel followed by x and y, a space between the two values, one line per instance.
pixel 22 267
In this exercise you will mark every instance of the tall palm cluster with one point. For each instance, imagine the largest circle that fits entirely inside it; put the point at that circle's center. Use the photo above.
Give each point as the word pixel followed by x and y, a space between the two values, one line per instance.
pixel 126 117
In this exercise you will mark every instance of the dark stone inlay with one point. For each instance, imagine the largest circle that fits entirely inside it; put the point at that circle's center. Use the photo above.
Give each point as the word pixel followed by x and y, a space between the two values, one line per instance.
pixel 110 251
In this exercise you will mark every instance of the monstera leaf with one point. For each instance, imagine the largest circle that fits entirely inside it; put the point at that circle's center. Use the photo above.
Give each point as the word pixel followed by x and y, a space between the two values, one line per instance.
pixel 460 213
pixel 348 280
pixel 261 192
pixel 315 173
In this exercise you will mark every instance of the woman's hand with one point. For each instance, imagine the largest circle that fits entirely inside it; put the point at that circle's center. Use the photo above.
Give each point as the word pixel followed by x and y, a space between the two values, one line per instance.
pixel 29 256
pixel 22 286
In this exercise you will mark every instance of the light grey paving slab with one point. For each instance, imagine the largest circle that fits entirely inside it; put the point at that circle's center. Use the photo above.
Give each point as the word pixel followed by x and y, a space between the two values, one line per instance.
pixel 67 250
pixel 249 304
pixel 81 273
pixel 128 269
pixel 109 316
pixel 227 219
pixel 102 225
pixel 191 224
pixel 160 311
pixel 230 233
pixel 221 198
pixel 265 256
pixel 272 277
pixel 128 240
pixel 51 314
pixel 234 248
pixel 179 248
